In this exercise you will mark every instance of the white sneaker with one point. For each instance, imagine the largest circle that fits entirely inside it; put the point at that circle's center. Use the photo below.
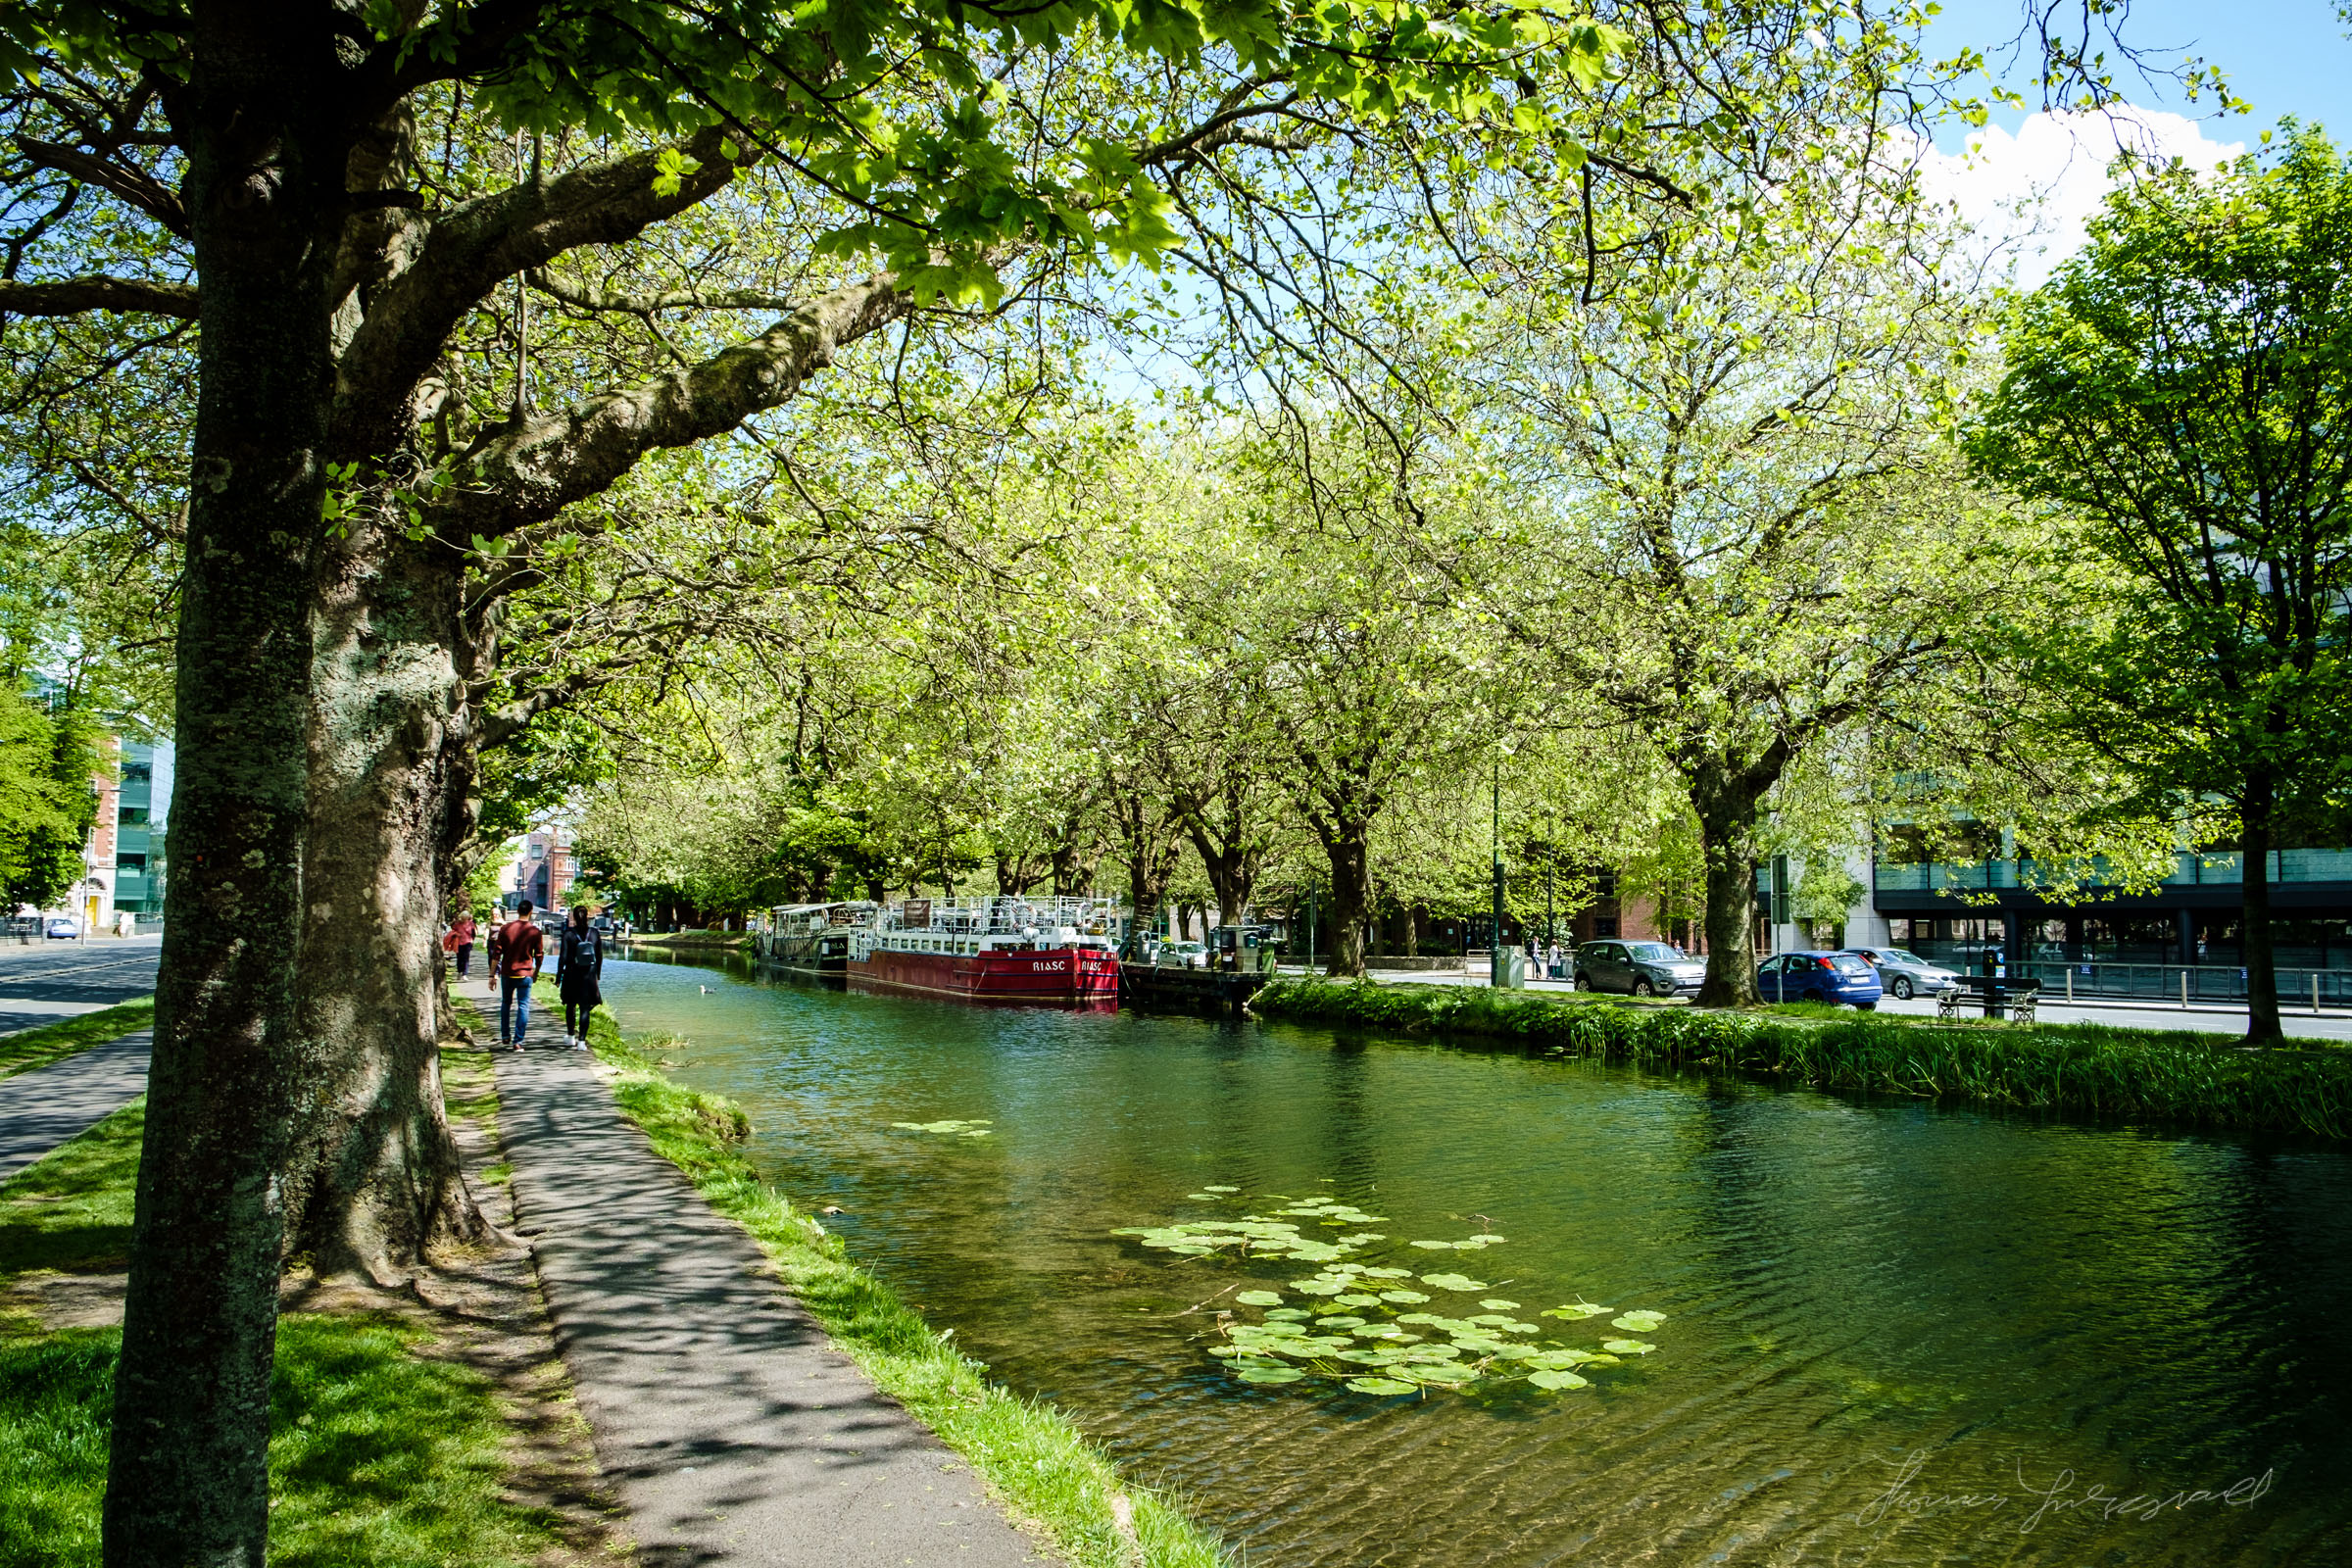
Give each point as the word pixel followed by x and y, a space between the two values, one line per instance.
pixel 581 1043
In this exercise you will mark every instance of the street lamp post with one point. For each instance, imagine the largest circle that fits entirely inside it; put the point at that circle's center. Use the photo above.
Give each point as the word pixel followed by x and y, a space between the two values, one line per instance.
pixel 1495 976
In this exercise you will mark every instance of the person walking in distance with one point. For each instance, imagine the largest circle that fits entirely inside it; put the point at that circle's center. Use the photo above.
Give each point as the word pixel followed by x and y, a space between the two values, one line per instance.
pixel 515 954
pixel 460 943
pixel 579 965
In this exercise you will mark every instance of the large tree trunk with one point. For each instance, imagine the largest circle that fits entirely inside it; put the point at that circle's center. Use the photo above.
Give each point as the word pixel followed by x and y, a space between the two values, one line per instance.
pixel 374 1178
pixel 1727 830
pixel 188 1481
pixel 2263 1027
pixel 1232 873
pixel 1350 851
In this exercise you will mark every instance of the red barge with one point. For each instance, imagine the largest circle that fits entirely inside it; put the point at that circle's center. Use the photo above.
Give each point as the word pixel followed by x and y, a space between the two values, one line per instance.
pixel 1054 951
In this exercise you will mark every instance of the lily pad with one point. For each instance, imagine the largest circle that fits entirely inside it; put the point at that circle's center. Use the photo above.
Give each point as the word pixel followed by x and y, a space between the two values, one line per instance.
pixel 1452 1282
pixel 1574 1314
pixel 1496 1304
pixel 976 1128
pixel 1356 1301
pixel 1339 1321
pixel 1642 1322
pixel 1558 1380
pixel 1380 1386
pixel 1627 1347
pixel 1387 1273
pixel 1288 1314
pixel 1406 1298
pixel 1259 1298
pixel 1215 1189
pixel 1318 1287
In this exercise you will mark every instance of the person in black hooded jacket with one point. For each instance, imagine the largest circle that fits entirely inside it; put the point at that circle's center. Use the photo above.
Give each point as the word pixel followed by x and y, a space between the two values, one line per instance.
pixel 579 965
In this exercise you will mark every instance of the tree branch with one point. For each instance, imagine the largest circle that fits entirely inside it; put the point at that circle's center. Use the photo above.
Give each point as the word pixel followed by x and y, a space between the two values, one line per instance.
pixel 475 245
pixel 528 470
pixel 588 296
pixel 120 180
pixel 74 296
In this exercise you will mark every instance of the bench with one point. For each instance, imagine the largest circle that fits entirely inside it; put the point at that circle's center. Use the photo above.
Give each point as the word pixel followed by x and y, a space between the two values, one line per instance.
pixel 1993 993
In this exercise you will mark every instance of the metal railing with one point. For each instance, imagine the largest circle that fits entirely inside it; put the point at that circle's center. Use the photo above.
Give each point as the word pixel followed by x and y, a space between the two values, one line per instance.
pixel 2190 869
pixel 2177 983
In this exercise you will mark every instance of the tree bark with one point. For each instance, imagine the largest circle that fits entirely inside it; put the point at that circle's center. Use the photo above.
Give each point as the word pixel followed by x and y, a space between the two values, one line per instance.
pixel 188 1481
pixel 1727 830
pixel 2260 813
pixel 1349 849
pixel 373 1179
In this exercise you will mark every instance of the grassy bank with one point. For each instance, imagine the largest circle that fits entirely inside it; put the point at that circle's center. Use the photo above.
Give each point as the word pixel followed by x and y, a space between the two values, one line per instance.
pixel 2168 1076
pixel 379 1455
pixel 1029 1454
pixel 699 941
pixel 38 1048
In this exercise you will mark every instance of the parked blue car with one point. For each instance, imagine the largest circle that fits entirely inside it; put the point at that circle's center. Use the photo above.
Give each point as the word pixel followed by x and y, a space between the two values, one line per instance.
pixel 1819 977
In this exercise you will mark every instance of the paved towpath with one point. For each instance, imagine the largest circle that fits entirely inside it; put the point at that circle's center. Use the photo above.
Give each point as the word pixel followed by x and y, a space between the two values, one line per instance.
pixel 732 1431
pixel 42 1108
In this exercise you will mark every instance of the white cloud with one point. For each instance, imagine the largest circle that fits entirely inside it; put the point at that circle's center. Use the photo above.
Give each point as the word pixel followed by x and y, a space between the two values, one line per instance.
pixel 2028 193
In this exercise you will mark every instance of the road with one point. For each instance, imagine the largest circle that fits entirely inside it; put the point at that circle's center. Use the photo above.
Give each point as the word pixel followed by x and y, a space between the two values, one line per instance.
pixel 48 982
pixel 2299 1023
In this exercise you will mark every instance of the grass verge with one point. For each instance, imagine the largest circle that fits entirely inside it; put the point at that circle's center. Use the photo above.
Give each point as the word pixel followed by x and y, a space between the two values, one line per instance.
pixel 377 1454
pixel 38 1048
pixel 1029 1454
pixel 2081 1068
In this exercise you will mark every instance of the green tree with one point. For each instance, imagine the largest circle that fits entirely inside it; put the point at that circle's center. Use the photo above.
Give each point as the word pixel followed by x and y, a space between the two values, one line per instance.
pixel 2179 396
pixel 50 759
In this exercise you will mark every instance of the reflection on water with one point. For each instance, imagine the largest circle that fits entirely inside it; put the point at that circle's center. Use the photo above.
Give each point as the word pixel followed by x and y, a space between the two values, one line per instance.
pixel 1895 1335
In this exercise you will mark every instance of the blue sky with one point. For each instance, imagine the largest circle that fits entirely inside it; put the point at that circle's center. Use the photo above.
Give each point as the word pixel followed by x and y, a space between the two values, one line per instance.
pixel 2290 57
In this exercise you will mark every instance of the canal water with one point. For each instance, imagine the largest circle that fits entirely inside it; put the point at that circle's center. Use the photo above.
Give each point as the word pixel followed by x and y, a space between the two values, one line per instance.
pixel 1890 1334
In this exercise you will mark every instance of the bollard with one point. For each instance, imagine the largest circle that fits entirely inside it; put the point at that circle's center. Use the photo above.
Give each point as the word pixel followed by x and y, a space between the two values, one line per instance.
pixel 2315 992
pixel 2070 982
pixel 2184 991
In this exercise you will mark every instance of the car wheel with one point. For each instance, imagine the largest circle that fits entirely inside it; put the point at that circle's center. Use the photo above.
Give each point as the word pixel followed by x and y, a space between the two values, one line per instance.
pixel 1583 984
pixel 1813 995
pixel 1901 987
pixel 1643 987
pixel 1865 1006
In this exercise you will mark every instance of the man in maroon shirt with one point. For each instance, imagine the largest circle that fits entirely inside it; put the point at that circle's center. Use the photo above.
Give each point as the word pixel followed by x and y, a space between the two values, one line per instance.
pixel 516 950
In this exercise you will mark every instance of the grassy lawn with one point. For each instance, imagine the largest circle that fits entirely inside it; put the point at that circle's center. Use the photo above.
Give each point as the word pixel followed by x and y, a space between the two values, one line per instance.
pixel 2163 1075
pixel 38 1048
pixel 378 1456
pixel 1029 1454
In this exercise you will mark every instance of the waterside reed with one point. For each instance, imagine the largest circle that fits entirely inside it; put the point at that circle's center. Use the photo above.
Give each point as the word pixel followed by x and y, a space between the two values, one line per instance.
pixel 2079 1068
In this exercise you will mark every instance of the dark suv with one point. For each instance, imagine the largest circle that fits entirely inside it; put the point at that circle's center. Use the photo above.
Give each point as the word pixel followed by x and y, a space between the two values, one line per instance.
pixel 1640 968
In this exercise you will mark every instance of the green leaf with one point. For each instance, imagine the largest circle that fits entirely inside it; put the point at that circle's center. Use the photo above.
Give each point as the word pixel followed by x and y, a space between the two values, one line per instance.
pixel 1452 1282
pixel 1383 1386
pixel 1549 1379
pixel 1627 1347
pixel 1259 1298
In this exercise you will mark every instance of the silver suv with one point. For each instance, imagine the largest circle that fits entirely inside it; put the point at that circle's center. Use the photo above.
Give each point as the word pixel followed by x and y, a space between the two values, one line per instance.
pixel 1640 968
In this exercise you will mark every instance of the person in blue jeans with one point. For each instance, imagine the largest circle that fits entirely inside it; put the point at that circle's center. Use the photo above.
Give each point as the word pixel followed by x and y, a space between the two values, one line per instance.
pixel 517 950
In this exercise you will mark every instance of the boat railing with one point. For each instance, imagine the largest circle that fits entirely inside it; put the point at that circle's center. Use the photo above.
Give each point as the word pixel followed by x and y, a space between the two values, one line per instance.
pixel 1005 914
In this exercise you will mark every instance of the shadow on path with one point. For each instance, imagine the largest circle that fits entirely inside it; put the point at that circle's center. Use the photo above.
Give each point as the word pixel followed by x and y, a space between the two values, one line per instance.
pixel 731 1429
